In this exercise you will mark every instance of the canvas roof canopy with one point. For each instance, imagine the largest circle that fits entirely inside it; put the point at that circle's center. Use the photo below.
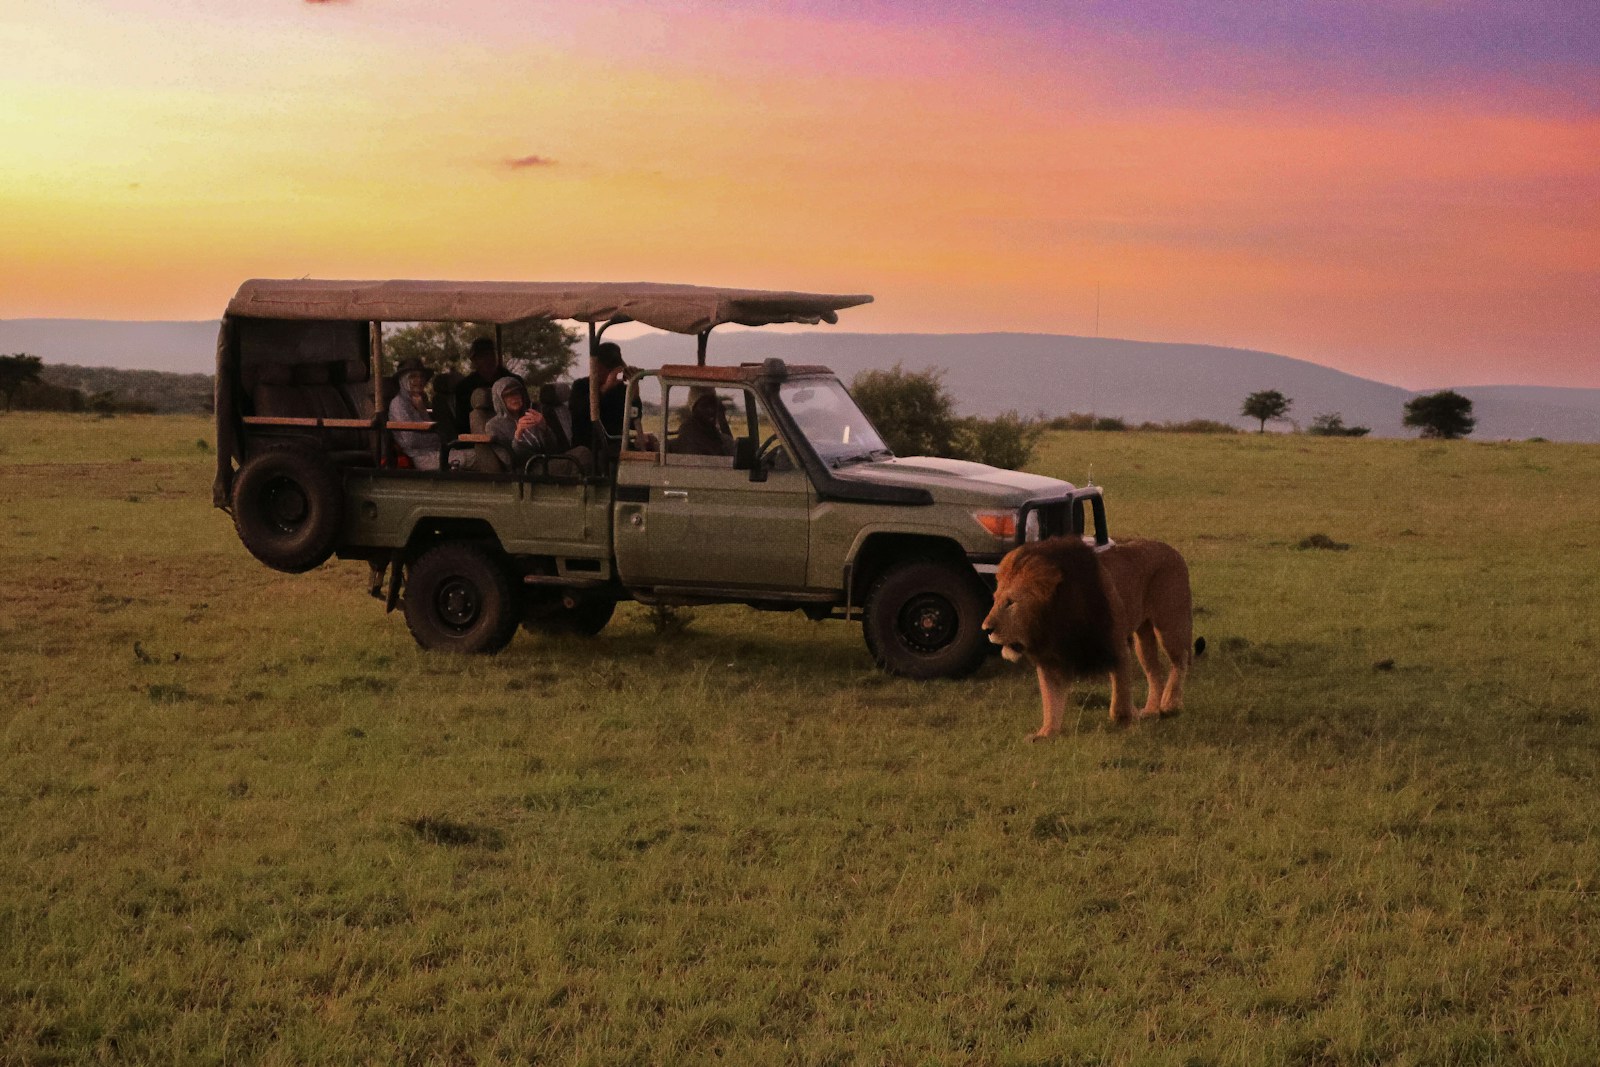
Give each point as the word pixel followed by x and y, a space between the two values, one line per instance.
pixel 677 308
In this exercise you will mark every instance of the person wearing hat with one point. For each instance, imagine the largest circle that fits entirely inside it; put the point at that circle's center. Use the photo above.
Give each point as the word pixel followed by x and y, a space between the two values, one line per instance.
pixel 410 404
pixel 486 370
pixel 703 429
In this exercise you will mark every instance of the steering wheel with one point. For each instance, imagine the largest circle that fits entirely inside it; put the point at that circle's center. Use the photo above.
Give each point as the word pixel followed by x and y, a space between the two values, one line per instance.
pixel 762 453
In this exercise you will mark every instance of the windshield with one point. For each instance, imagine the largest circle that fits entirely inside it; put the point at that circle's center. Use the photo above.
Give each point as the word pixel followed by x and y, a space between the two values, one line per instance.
pixel 830 420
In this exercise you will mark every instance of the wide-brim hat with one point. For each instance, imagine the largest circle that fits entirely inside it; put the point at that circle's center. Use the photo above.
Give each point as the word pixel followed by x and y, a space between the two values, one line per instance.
pixel 407 366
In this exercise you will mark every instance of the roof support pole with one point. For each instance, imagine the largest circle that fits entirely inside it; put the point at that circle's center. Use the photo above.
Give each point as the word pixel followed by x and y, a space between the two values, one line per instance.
pixel 700 347
pixel 594 376
pixel 378 411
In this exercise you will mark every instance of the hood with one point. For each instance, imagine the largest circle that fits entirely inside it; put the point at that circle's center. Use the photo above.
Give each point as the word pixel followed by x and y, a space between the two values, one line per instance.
pixel 956 481
pixel 498 392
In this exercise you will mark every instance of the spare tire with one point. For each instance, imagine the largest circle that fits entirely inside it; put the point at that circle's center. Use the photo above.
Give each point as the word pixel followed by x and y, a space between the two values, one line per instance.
pixel 288 506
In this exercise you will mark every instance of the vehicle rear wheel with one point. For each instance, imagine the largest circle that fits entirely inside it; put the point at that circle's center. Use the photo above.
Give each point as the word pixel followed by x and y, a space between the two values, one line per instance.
pixel 459 598
pixel 288 506
pixel 924 619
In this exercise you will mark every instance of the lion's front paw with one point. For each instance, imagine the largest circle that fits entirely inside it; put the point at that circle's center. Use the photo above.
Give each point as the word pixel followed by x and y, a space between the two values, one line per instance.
pixel 1041 735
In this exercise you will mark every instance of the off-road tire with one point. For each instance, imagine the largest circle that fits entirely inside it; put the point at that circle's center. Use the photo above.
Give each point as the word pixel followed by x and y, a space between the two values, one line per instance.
pixel 459 598
pixel 288 507
pixel 924 619
pixel 586 620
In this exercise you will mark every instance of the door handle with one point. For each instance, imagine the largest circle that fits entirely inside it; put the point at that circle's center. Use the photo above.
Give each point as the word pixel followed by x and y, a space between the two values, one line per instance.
pixel 675 494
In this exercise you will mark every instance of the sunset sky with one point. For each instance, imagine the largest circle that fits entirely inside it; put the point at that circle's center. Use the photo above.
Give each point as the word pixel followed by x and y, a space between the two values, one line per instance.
pixel 1404 189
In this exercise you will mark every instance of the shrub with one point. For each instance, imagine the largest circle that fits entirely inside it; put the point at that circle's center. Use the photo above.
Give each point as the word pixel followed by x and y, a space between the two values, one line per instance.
pixel 1007 441
pixel 1077 420
pixel 43 396
pixel 1191 426
pixel 917 417
pixel 911 409
pixel 1332 425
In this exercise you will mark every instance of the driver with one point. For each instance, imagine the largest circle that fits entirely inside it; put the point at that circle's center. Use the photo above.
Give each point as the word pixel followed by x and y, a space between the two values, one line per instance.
pixel 703 431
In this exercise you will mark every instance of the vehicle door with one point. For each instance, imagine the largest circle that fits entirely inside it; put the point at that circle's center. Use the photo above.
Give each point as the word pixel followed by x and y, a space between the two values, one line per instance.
pixel 686 517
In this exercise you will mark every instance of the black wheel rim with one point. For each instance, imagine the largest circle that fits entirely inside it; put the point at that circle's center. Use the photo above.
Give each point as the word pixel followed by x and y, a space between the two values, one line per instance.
pixel 458 603
pixel 285 504
pixel 927 623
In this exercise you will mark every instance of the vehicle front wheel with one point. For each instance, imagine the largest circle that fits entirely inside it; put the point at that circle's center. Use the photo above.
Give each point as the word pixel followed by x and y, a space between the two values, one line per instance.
pixel 924 619
pixel 459 598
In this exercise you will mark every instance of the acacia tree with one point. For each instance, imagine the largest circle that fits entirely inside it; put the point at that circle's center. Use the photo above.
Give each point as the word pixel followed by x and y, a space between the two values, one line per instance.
pixel 1267 404
pixel 16 371
pixel 1446 415
pixel 540 350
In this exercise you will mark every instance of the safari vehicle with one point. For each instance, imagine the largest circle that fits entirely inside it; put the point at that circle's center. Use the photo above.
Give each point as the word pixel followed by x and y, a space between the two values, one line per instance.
pixel 810 511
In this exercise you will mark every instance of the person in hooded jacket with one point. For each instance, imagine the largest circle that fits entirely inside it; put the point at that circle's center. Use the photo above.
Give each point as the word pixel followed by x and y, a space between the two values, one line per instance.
pixel 517 429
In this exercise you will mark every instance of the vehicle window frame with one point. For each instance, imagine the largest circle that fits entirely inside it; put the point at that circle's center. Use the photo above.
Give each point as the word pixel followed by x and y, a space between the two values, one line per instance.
pixel 752 425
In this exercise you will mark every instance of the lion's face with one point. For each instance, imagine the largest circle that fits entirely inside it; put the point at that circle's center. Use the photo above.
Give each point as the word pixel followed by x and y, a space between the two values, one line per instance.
pixel 1023 588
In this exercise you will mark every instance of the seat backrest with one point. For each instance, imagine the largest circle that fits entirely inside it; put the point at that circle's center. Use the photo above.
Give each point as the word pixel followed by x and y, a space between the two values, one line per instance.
pixel 275 393
pixel 484 457
pixel 444 403
pixel 357 378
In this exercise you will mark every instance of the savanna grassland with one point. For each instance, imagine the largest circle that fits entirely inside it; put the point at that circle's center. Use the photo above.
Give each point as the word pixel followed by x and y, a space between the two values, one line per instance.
pixel 243 819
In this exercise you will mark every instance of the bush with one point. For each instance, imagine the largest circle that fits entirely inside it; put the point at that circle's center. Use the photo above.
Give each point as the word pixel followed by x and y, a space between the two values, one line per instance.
pixel 1077 420
pixel 1007 441
pixel 1191 426
pixel 917 417
pixel 911 409
pixel 43 396
pixel 1332 425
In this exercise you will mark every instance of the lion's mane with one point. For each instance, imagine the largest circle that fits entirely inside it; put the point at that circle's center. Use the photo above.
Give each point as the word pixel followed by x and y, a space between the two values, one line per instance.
pixel 1070 628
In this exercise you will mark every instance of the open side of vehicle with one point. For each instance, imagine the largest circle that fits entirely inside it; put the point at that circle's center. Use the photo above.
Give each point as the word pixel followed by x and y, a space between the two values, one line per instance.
pixel 760 484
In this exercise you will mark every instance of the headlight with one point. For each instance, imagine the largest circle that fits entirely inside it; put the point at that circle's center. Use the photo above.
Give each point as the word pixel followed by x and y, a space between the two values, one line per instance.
pixel 1001 524
pixel 1030 529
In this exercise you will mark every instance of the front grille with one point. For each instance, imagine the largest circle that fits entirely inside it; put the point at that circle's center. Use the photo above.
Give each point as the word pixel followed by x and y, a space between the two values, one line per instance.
pixel 1075 516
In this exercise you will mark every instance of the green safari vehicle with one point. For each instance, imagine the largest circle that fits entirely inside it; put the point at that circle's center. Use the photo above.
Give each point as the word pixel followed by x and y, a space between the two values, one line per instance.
pixel 783 497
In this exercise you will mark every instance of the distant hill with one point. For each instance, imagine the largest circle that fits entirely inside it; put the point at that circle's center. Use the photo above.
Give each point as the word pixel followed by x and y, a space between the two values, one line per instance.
pixel 181 347
pixel 989 373
pixel 1138 381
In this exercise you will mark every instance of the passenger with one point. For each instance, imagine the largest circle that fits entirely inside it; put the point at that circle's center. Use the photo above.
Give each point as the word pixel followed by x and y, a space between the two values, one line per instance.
pixel 486 370
pixel 703 431
pixel 410 404
pixel 517 428
pixel 613 395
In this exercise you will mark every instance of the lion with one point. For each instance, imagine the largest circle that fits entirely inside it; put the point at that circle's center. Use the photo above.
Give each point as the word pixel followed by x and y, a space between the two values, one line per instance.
pixel 1074 611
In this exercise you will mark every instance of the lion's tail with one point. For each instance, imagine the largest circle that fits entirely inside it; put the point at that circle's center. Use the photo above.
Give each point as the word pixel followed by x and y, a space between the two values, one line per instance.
pixel 1082 619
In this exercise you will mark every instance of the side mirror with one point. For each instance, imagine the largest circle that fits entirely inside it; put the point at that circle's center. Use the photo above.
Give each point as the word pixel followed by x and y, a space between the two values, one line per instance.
pixel 747 457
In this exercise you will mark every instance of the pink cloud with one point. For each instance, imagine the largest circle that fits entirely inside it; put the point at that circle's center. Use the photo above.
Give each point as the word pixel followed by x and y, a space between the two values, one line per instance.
pixel 522 162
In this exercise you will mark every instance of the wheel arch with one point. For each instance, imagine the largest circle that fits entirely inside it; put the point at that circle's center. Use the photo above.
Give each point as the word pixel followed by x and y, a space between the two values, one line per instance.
pixel 430 531
pixel 882 549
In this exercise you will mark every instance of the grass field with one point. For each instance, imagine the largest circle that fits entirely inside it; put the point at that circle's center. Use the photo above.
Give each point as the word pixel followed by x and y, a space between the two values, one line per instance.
pixel 244 820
